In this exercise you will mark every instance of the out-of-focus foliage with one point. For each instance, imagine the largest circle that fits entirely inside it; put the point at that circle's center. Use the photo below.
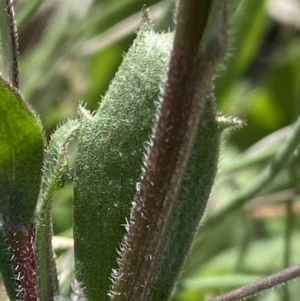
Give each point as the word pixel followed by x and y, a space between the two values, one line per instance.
pixel 69 52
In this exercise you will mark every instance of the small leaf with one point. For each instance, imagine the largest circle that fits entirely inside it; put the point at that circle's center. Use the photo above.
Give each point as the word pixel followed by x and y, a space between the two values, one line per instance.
pixel 54 171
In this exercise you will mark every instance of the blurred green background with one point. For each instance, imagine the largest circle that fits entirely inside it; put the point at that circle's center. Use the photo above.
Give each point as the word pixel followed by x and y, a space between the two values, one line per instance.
pixel 71 49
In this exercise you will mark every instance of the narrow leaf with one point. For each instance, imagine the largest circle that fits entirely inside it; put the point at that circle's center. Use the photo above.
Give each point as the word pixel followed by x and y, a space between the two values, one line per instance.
pixel 8 44
pixel 54 172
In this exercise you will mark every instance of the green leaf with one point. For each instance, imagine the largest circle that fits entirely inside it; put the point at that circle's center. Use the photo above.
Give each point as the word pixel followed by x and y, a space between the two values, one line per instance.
pixel 54 172
pixel 21 155
pixel 110 156
pixel 191 203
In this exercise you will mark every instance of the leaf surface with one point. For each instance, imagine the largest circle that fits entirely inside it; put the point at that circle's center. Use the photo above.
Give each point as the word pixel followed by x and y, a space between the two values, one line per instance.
pixel 54 173
pixel 110 157
pixel 21 155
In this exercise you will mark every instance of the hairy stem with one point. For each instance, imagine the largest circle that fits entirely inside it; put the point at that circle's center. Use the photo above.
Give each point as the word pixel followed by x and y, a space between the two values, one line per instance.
pixel 188 84
pixel 23 259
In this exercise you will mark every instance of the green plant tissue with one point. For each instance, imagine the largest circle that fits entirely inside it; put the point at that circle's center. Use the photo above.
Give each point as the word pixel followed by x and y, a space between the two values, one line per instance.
pixel 111 149
pixel 21 156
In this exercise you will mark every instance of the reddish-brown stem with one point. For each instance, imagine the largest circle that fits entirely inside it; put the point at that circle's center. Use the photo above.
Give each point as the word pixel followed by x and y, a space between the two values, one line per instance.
pixel 21 242
pixel 260 285
pixel 189 81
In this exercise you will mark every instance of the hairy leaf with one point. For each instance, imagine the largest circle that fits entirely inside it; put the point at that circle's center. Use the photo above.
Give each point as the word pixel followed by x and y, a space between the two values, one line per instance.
pixel 191 204
pixel 54 171
pixel 110 156
pixel 21 155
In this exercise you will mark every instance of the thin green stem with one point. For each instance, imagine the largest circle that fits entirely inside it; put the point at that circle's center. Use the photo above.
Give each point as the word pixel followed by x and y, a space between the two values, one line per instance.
pixel 287 244
pixel 271 171
pixel 29 10
pixel 245 161
pixel 289 225
pixel 245 243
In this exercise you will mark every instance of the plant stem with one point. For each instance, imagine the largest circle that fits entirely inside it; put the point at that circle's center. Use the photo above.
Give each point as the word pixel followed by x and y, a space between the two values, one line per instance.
pixel 21 242
pixel 289 225
pixel 275 166
pixel 260 285
pixel 287 244
pixel 189 82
